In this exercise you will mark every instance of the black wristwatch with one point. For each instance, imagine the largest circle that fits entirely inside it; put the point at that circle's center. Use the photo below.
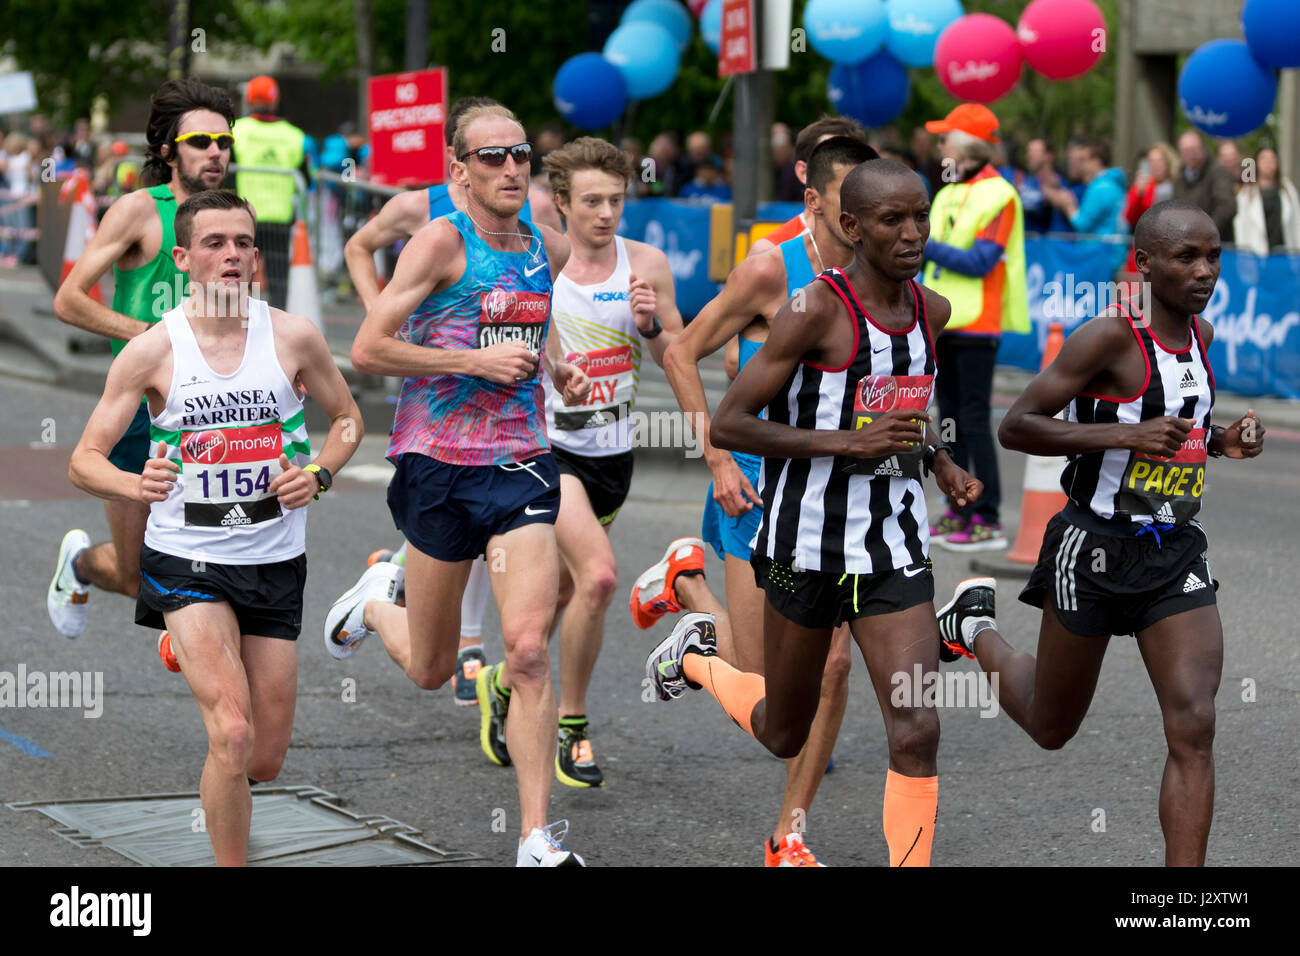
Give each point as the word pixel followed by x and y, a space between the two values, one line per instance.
pixel 927 459
pixel 323 479
pixel 1215 430
pixel 657 330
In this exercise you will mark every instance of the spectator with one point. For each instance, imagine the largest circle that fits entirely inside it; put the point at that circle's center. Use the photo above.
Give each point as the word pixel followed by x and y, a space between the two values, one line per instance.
pixel 550 136
pixel 1041 172
pixel 1153 183
pixel 707 185
pixel 788 186
pixel 927 163
pixel 976 259
pixel 1268 210
pixel 1098 212
pixel 1229 157
pixel 699 150
pixel 1206 184
pixel 264 139
pixel 637 187
pixel 666 153
pixel 79 147
pixel 15 184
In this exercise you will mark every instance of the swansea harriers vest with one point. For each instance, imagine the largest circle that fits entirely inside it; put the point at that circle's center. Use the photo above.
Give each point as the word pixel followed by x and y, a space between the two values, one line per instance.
pixel 226 433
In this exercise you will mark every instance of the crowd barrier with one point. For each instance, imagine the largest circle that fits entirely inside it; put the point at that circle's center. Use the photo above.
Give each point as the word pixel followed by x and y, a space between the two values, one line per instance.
pixel 1255 309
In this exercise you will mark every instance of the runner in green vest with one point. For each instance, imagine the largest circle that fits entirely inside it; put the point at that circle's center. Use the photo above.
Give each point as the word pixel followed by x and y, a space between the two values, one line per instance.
pixel 189 145
pixel 264 140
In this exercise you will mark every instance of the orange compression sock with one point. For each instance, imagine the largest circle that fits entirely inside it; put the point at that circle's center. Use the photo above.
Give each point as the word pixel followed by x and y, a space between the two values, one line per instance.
pixel 737 691
pixel 911 806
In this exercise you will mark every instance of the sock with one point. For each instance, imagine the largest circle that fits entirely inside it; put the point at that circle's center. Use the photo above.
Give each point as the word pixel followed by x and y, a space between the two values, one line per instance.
pixel 75 573
pixel 737 691
pixel 399 556
pixel 971 627
pixel 574 720
pixel 911 807
pixel 468 648
pixel 496 683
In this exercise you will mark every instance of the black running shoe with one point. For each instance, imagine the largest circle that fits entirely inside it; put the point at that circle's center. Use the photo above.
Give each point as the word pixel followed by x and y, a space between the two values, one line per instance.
pixel 575 765
pixel 492 706
pixel 973 598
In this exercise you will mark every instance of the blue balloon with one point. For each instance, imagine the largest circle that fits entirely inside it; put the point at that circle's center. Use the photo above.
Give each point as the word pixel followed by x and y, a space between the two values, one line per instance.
pixel 711 25
pixel 873 92
pixel 589 91
pixel 669 14
pixel 846 31
pixel 1272 29
pixel 915 25
pixel 646 55
pixel 1224 90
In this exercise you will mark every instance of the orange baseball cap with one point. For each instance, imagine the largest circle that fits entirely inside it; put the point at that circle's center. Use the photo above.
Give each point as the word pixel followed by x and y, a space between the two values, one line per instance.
pixel 262 89
pixel 972 118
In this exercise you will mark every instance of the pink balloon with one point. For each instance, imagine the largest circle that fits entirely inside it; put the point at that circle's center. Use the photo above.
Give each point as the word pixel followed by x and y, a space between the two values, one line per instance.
pixel 978 58
pixel 696 6
pixel 1062 39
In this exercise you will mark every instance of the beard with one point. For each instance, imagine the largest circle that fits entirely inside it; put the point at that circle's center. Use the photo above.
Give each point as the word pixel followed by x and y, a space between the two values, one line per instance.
pixel 192 184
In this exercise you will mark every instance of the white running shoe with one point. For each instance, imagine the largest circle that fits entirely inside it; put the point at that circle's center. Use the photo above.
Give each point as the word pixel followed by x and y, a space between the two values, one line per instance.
pixel 66 598
pixel 545 847
pixel 345 627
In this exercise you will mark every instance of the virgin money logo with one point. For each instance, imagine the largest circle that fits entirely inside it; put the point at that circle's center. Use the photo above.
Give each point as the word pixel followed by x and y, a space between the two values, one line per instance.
pixel 878 393
pixel 498 304
pixel 206 448
pixel 577 358
pixel 971 70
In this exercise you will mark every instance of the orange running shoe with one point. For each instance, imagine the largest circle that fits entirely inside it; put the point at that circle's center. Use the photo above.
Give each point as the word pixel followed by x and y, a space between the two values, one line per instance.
pixel 165 652
pixel 791 852
pixel 652 595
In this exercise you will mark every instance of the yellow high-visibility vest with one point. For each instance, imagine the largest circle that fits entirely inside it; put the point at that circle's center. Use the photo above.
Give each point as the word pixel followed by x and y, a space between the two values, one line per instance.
pixel 997 302
pixel 278 145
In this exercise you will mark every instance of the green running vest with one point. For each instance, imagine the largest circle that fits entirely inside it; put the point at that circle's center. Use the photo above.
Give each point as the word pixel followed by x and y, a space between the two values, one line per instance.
pixel 149 291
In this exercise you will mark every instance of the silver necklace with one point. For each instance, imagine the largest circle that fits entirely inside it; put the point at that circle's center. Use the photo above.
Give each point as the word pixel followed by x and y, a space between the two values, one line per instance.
pixel 489 232
pixel 813 240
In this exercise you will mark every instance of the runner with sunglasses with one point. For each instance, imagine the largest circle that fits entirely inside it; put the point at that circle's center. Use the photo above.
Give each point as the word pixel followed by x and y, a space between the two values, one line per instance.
pixel 474 470
pixel 399 219
pixel 189 143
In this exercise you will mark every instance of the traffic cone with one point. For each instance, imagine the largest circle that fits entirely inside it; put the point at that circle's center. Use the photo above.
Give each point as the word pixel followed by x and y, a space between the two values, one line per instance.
pixel 81 225
pixel 1041 498
pixel 304 298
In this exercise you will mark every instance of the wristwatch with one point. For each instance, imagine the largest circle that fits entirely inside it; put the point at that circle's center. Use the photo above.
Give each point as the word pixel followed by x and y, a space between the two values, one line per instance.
pixel 658 329
pixel 927 459
pixel 323 479
pixel 1214 430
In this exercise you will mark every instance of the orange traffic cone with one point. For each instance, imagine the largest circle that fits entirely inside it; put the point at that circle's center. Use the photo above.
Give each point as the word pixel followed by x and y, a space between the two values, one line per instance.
pixel 81 225
pixel 1042 496
pixel 304 298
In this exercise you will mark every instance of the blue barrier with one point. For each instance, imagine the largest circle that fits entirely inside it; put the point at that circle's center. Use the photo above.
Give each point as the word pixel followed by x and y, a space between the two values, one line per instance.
pixel 1255 309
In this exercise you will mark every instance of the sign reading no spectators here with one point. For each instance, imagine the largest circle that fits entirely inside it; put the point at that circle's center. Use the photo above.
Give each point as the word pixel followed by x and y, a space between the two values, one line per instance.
pixel 408 112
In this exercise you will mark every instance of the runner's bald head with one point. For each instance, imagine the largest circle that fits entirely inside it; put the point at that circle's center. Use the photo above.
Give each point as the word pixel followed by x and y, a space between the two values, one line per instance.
pixel 1168 222
pixel 872 181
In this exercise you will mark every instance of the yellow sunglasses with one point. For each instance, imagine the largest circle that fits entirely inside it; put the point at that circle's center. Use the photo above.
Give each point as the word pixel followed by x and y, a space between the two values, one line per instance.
pixel 204 140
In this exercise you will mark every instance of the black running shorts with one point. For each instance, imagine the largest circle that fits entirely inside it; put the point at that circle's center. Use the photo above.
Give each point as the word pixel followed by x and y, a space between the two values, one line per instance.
pixel 828 599
pixel 1102 580
pixel 450 512
pixel 266 598
pixel 606 479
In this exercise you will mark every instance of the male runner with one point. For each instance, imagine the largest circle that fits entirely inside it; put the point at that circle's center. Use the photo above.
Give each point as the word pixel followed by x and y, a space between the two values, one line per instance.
pixel 754 292
pixel 847 378
pixel 223 561
pixel 399 219
pixel 612 295
pixel 473 470
pixel 189 144
pixel 1125 555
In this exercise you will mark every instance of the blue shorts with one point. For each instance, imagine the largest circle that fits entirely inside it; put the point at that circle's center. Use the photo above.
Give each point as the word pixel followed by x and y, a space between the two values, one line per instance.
pixel 728 535
pixel 450 512
pixel 132 450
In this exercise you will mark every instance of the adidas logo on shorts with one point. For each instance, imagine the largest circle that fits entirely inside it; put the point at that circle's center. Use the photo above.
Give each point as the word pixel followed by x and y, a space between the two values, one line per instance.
pixel 236 516
pixel 1193 583
pixel 1165 515
pixel 889 468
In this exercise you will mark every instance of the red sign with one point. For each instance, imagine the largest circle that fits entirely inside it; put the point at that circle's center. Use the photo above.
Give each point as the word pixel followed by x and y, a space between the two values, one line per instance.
pixel 407 115
pixel 738 52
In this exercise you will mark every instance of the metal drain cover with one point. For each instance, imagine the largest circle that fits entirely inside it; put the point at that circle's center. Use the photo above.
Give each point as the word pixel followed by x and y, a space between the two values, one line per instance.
pixel 291 826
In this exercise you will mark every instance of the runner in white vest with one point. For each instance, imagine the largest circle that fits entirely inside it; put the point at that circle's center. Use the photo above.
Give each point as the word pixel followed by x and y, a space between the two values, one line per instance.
pixel 223 564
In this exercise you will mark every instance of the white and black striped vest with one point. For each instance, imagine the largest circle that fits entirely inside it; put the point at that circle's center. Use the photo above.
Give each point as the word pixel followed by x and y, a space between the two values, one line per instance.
pixel 1124 485
pixel 838 514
